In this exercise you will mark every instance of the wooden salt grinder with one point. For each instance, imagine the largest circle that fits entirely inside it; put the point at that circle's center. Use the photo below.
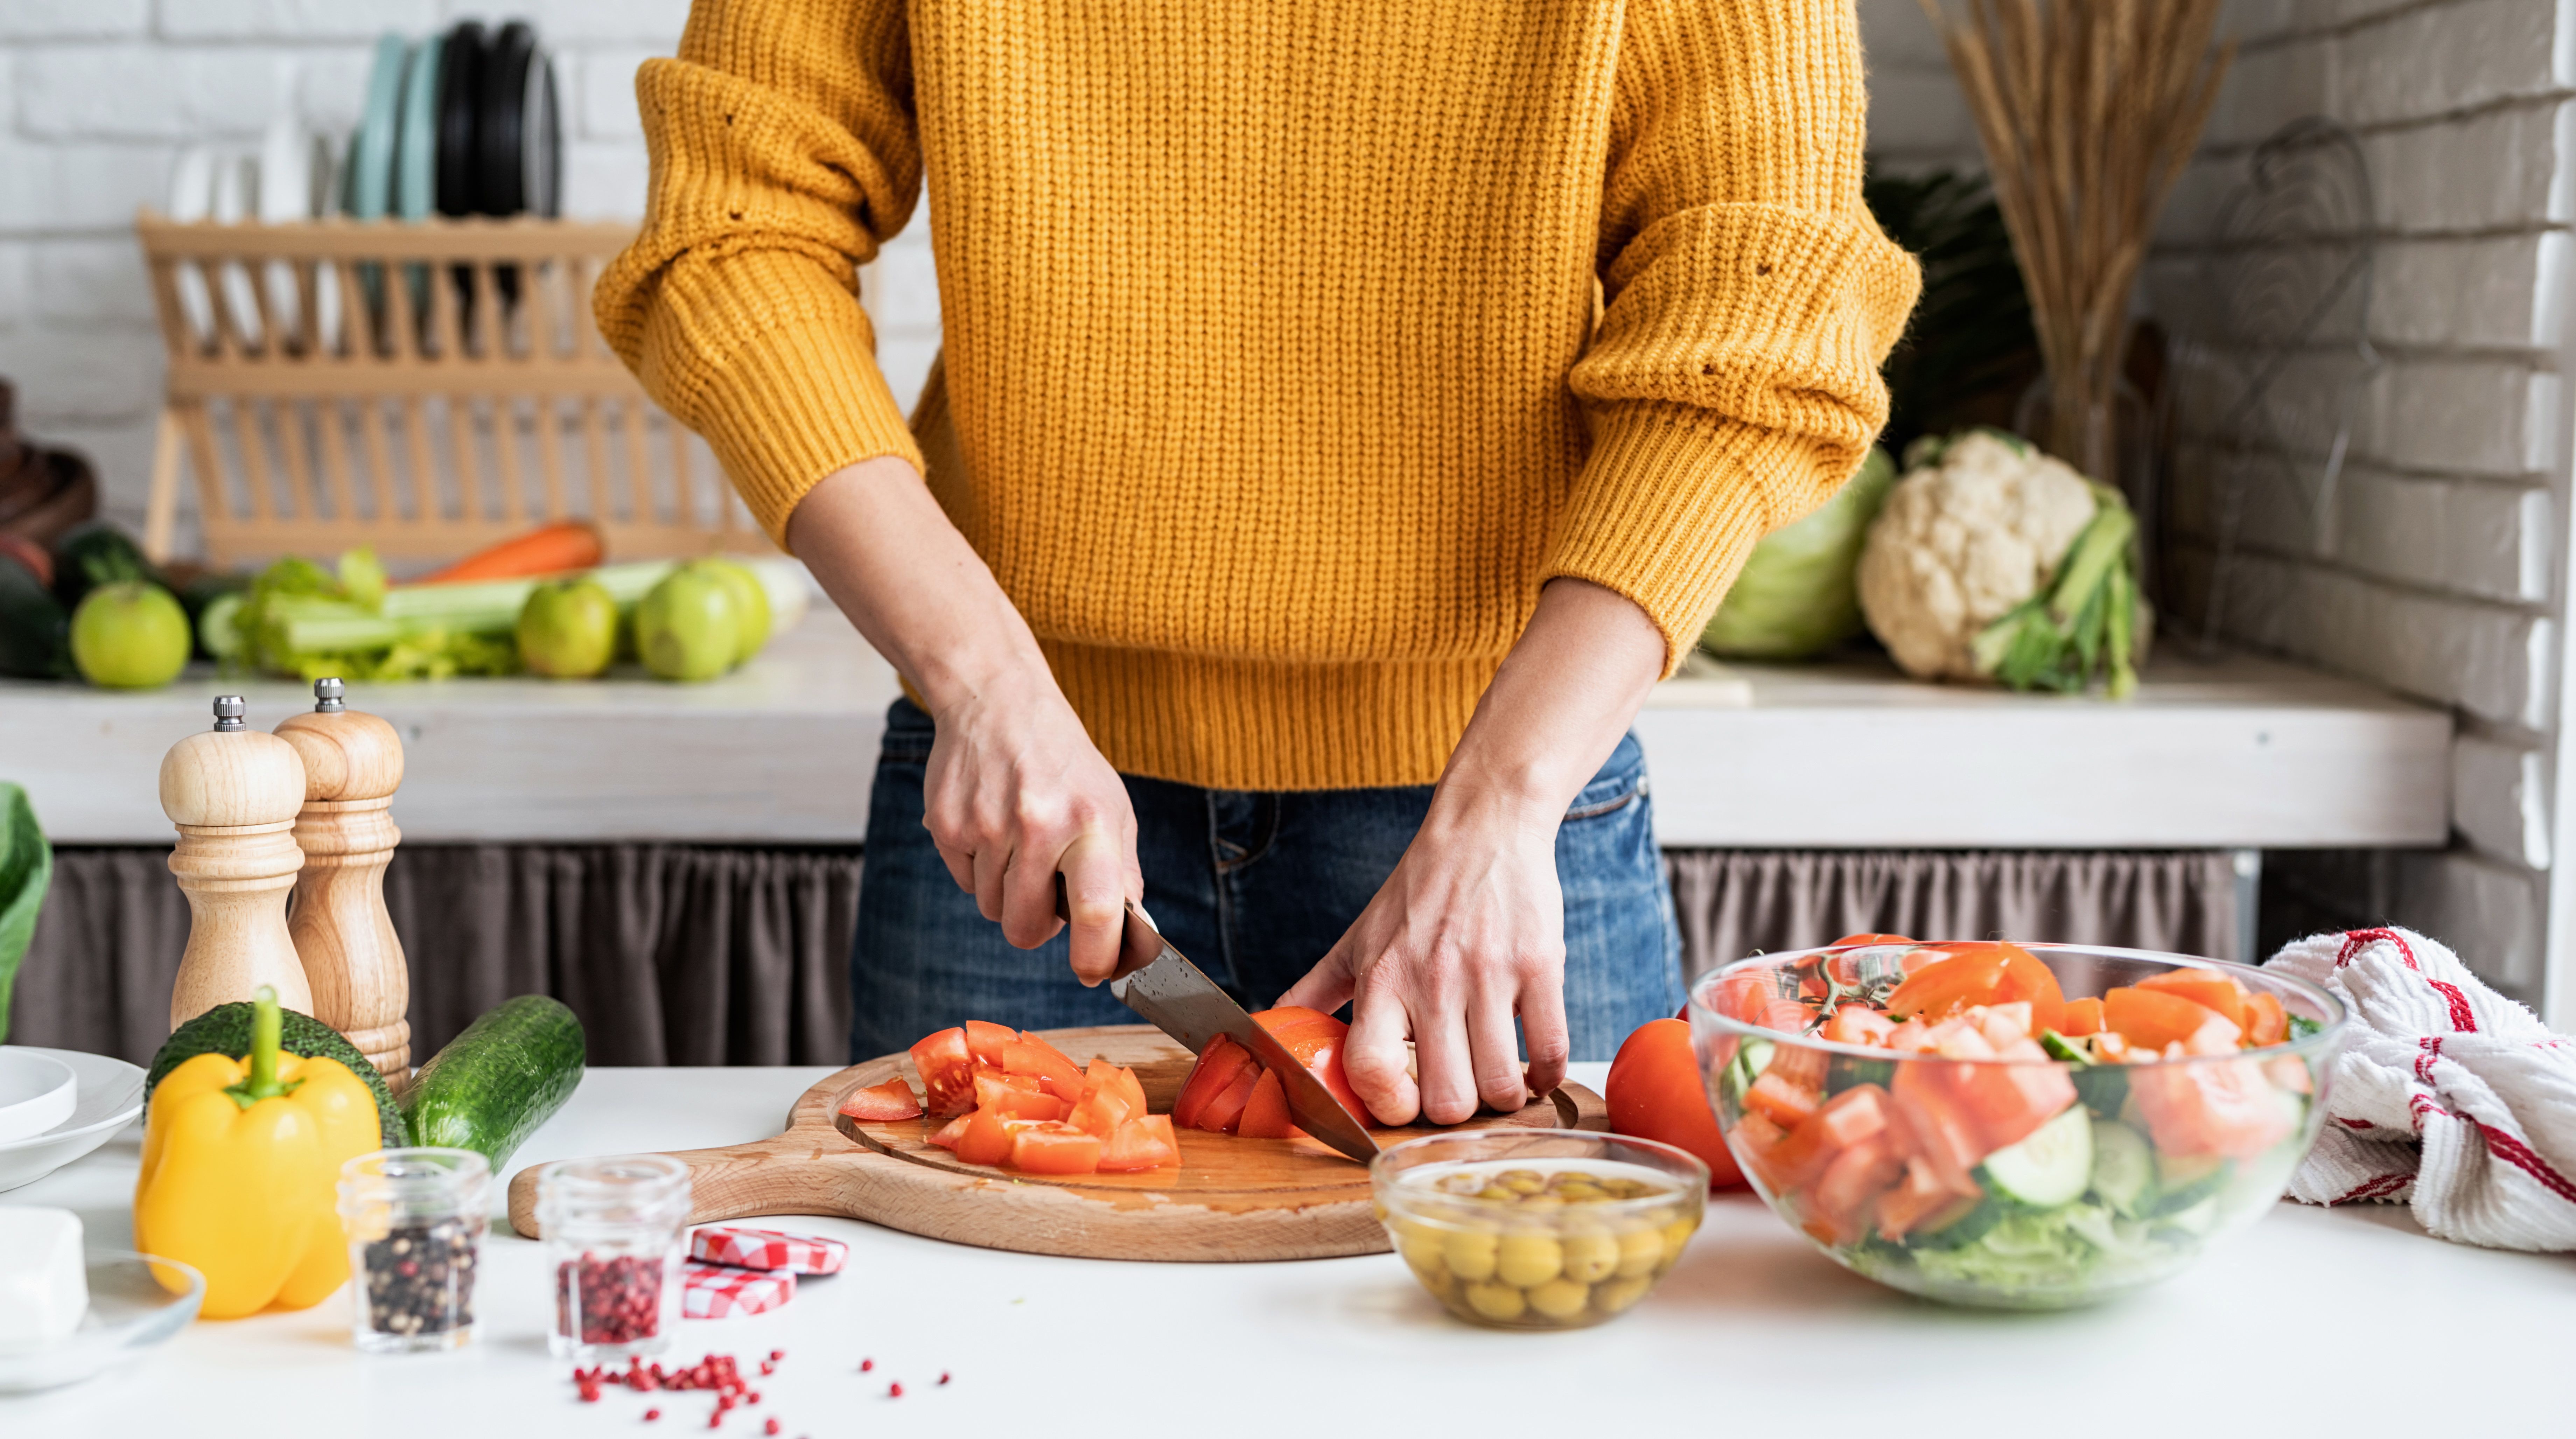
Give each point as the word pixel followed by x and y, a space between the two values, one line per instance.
pixel 233 793
pixel 353 763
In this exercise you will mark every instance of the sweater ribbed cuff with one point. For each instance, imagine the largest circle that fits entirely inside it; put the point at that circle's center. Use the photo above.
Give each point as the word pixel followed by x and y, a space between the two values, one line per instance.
pixel 785 405
pixel 1669 504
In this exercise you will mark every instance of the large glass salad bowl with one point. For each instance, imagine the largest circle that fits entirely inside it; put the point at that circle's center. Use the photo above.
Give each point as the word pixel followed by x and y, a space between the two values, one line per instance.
pixel 2024 1127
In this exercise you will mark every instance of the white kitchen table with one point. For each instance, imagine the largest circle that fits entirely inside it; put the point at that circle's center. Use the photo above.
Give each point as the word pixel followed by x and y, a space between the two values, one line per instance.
pixel 2316 1321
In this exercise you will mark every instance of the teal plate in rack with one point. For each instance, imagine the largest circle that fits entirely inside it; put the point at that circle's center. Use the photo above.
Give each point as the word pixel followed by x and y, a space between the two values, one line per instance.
pixel 371 154
pixel 415 191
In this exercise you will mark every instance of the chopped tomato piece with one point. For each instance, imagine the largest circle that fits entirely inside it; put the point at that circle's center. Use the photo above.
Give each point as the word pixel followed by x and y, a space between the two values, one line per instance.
pixel 1053 1147
pixel 880 1103
pixel 1145 1142
pixel 1014 1096
pixel 1787 1102
pixel 947 1138
pixel 1046 1064
pixel 987 1139
pixel 2265 1021
pixel 1856 939
pixel 1102 1112
pixel 2001 1024
pixel 1117 1080
pixel 1853 1024
pixel 1919 1198
pixel 1858 1113
pixel 1942 1133
pixel 1979 973
pixel 1797 1064
pixel 1851 1179
pixel 1225 1111
pixel 2154 1018
pixel 947 1072
pixel 987 1041
pixel 2080 1017
pixel 2225 1107
pixel 2005 1103
pixel 2205 987
pixel 1265 1111
pixel 1211 1076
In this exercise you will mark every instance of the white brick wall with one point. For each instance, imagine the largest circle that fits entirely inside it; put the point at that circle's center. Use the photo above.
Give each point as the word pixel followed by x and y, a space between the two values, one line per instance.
pixel 98 96
pixel 2438 568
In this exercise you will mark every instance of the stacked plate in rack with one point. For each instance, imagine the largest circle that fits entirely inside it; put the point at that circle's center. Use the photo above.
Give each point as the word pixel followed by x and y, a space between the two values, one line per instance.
pixel 465 122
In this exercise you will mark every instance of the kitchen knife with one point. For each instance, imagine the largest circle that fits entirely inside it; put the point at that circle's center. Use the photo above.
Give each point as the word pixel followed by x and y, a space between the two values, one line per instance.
pixel 1159 982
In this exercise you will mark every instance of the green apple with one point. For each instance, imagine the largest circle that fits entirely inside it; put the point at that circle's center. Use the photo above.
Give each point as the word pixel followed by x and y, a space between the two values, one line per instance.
pixel 689 626
pixel 751 603
pixel 131 635
pixel 568 629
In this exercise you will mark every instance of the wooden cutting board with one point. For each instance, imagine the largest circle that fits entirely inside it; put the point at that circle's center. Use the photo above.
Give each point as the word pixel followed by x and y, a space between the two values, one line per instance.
pixel 1231 1199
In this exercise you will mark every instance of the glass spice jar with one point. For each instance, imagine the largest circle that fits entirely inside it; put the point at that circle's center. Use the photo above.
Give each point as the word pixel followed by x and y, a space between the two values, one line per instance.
pixel 616 1231
pixel 415 1220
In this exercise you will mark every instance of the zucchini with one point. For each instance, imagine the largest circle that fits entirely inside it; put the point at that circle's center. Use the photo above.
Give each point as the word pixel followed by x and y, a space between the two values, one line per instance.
pixel 225 1030
pixel 2050 1166
pixel 2124 1167
pixel 493 1085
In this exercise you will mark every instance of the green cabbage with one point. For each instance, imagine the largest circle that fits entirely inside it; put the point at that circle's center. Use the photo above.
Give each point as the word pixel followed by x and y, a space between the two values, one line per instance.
pixel 1796 597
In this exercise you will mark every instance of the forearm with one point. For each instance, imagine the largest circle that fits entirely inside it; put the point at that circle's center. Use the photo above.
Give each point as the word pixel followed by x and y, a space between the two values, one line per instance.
pixel 1564 695
pixel 890 558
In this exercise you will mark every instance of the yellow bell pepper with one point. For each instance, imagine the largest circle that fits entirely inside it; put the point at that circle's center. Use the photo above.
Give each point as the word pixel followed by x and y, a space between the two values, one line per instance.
pixel 241 1171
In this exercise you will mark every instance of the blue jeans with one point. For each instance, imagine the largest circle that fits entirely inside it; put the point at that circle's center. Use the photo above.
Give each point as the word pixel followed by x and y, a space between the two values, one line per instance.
pixel 1254 887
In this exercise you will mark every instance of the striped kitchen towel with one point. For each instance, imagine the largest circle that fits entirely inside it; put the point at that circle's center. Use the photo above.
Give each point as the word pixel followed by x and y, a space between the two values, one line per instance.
pixel 2447 1095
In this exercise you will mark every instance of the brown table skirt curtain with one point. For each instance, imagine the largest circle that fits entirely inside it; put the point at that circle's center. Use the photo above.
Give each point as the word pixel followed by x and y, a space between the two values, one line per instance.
pixel 675 954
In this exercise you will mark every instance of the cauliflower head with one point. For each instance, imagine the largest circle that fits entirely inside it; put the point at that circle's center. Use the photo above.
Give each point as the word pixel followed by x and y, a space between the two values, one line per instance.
pixel 1963 539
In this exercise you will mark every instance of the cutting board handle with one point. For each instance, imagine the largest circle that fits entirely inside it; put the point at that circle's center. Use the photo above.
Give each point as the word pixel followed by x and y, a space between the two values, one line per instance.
pixel 788 1174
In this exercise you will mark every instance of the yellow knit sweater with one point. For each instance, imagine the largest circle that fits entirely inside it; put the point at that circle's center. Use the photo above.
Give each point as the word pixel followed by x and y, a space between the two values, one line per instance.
pixel 1290 347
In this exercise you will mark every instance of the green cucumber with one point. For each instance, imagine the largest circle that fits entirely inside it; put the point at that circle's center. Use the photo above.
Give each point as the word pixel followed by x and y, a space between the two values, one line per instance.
pixel 2124 1167
pixel 491 1087
pixel 225 1030
pixel 1847 1071
pixel 2183 1180
pixel 2049 1166
pixel 2060 1047
pixel 1750 1058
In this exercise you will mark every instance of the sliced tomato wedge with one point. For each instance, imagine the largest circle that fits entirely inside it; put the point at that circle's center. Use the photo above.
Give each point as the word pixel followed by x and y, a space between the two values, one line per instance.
pixel 2266 1022
pixel 1225 1111
pixel 1053 1147
pixel 1220 1084
pixel 1856 939
pixel 1117 1080
pixel 2080 1017
pixel 1145 1142
pixel 987 1041
pixel 947 1070
pixel 1985 972
pixel 1851 1179
pixel 1103 1112
pixel 2154 1018
pixel 987 1139
pixel 1213 1074
pixel 947 1138
pixel 1043 1062
pixel 1265 1110
pixel 881 1103
pixel 2204 987
pixel 1784 1101
pixel 1015 1096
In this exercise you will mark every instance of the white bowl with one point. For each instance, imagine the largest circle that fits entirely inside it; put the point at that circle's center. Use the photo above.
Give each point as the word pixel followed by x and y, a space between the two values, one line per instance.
pixel 37 1092
pixel 131 1309
pixel 110 1096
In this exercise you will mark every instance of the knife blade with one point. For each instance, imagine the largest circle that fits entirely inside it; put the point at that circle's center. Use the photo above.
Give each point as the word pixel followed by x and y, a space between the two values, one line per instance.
pixel 1159 983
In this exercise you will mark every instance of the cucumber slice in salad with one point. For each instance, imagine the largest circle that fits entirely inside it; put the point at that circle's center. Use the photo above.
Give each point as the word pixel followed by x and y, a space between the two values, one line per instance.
pixel 1750 1059
pixel 2051 1166
pixel 2124 1168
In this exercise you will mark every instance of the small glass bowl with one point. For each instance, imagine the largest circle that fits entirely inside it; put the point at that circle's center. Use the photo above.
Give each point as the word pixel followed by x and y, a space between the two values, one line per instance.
pixel 1590 1224
pixel 135 1302
pixel 2146 1167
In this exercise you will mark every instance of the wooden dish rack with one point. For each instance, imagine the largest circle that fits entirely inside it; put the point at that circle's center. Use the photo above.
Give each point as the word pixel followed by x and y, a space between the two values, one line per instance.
pixel 461 395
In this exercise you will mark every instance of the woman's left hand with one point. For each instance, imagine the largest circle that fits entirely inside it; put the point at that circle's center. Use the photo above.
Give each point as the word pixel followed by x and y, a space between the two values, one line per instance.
pixel 1468 933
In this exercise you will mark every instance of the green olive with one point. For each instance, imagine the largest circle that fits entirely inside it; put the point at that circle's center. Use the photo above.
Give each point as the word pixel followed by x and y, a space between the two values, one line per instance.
pixel 1529 1258
pixel 1424 1250
pixel 1581 1193
pixel 1470 1253
pixel 1559 1298
pixel 1521 1181
pixel 1541 1203
pixel 1500 1194
pixel 1641 1251
pixel 1496 1301
pixel 1676 1235
pixel 1589 1258
pixel 1618 1294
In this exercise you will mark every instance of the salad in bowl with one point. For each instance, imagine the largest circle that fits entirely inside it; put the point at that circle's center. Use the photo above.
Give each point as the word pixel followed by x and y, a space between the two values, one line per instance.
pixel 2016 1126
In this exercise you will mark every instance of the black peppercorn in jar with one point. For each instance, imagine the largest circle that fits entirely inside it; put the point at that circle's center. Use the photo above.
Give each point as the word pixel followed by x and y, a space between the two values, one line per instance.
pixel 416 1219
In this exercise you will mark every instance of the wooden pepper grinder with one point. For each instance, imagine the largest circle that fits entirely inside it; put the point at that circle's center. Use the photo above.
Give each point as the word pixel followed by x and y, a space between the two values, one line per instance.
pixel 233 793
pixel 353 763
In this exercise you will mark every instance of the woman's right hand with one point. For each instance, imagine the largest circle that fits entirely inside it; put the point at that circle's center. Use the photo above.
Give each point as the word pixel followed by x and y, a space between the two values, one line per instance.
pixel 1016 792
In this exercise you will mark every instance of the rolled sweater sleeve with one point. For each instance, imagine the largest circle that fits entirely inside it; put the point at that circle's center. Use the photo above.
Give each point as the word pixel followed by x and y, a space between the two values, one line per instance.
pixel 1749 299
pixel 784 152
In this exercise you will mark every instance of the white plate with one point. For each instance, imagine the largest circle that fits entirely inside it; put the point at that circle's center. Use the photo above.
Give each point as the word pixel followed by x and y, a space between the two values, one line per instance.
pixel 36 1092
pixel 132 1307
pixel 111 1095
pixel 285 196
pixel 236 191
pixel 192 195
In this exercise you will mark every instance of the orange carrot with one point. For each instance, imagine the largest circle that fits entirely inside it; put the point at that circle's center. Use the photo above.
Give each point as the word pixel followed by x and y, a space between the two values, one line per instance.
pixel 545 550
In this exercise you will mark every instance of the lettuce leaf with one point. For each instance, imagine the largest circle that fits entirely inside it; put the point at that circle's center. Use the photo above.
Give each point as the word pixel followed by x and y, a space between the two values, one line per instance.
pixel 26 869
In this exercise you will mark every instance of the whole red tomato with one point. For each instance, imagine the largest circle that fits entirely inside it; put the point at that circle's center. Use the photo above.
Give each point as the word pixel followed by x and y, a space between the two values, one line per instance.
pixel 1655 1092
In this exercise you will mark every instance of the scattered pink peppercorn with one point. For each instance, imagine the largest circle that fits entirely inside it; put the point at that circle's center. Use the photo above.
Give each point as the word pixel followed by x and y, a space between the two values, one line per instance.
pixel 867 1364
pixel 943 1376
pixel 651 1415
pixel 895 1390
pixel 769 1428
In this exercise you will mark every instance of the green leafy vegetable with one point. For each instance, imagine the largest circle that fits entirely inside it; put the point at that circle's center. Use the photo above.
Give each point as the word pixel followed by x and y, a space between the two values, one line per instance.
pixel 26 868
pixel 303 620
pixel 1796 596
pixel 2082 625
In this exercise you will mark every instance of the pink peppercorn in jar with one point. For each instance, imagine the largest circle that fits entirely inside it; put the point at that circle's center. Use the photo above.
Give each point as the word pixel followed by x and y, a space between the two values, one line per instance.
pixel 616 1231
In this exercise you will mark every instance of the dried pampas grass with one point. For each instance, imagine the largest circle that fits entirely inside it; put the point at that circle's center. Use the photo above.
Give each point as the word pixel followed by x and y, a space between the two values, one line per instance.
pixel 2089 109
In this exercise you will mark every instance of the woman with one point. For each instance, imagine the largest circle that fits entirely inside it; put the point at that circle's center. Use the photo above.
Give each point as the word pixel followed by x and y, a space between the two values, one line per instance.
pixel 1347 412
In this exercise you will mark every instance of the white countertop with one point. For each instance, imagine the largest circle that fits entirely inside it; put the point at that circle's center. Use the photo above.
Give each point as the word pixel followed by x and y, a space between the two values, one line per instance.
pixel 2345 1321
pixel 2239 753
